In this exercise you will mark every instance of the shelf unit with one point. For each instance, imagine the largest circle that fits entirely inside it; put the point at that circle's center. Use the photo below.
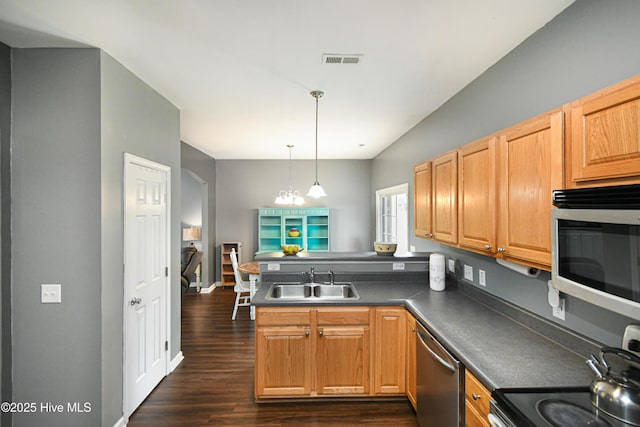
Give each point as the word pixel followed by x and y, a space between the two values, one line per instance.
pixel 274 225
pixel 227 277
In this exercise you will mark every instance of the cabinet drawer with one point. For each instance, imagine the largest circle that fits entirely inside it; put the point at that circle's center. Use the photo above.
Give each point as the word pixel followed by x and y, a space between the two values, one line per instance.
pixel 476 394
pixel 343 315
pixel 473 419
pixel 274 316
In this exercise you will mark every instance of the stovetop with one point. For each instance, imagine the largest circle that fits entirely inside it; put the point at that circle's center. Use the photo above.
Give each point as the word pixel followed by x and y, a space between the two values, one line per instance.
pixel 553 407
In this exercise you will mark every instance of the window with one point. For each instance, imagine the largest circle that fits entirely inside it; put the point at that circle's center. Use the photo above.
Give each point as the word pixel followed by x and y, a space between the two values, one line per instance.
pixel 392 216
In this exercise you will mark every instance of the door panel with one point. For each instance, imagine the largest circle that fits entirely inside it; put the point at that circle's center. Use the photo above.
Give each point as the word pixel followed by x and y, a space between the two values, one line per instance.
pixel 146 281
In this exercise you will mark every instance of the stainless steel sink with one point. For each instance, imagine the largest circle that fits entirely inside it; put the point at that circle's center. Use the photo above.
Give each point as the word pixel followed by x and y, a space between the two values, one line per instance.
pixel 313 291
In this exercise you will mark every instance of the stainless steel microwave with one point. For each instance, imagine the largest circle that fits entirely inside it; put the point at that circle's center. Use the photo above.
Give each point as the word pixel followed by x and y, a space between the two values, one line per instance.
pixel 595 235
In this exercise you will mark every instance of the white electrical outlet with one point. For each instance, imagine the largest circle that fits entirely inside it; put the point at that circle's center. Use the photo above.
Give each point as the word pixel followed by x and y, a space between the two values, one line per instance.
pixel 412 248
pixel 50 293
pixel 398 266
pixel 273 267
pixel 468 273
pixel 482 278
pixel 452 265
pixel 559 310
pixel 631 334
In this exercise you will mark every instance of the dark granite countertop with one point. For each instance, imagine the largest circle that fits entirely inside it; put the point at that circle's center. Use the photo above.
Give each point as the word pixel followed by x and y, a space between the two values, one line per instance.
pixel 340 256
pixel 499 350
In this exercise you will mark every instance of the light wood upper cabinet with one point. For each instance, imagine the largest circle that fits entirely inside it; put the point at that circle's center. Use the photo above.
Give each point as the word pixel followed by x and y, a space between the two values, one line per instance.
pixel 411 382
pixel 444 186
pixel 390 350
pixel 605 136
pixel 477 195
pixel 530 164
pixel 422 200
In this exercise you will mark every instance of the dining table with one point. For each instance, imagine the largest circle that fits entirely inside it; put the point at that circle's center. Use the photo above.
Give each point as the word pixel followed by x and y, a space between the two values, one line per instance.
pixel 253 270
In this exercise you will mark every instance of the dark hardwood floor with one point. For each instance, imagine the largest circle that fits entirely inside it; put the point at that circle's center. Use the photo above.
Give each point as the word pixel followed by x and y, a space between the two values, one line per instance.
pixel 213 386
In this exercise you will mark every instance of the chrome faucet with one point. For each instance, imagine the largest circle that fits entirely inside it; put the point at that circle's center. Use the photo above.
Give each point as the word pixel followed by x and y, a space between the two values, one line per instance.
pixel 331 278
pixel 312 274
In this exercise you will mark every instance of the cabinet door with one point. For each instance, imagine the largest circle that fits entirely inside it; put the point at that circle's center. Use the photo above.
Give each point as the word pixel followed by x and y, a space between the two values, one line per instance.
pixel 283 361
pixel 444 197
pixel 477 196
pixel 530 167
pixel 477 398
pixel 605 135
pixel 390 351
pixel 342 360
pixel 422 200
pixel 411 360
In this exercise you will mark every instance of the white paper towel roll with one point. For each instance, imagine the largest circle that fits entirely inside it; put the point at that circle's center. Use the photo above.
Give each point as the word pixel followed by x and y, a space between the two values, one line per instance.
pixel 436 272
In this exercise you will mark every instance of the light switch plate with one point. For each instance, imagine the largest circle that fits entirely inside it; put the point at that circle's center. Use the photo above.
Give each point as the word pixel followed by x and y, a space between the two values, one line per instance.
pixel 452 265
pixel 482 278
pixel 50 293
pixel 468 273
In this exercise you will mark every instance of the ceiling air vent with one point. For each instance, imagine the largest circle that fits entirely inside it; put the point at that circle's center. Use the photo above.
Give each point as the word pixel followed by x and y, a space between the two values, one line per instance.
pixel 330 58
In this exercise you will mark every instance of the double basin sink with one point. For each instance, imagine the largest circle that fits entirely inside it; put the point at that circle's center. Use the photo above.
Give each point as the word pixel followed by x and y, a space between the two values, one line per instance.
pixel 313 291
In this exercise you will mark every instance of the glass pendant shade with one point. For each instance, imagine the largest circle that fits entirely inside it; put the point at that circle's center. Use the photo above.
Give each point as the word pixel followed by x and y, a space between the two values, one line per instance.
pixel 316 191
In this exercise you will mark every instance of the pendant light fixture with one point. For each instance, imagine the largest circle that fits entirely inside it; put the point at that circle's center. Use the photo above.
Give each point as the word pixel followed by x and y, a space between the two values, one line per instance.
pixel 316 189
pixel 289 196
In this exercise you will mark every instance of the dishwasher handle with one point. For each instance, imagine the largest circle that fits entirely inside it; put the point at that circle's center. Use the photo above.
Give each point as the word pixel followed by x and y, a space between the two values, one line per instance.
pixel 422 336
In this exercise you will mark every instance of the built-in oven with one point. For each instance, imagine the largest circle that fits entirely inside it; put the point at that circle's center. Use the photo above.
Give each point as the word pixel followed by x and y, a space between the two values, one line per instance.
pixel 595 236
pixel 547 407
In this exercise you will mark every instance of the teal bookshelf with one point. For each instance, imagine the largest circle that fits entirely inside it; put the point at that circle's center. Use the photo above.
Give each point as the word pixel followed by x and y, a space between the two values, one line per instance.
pixel 275 228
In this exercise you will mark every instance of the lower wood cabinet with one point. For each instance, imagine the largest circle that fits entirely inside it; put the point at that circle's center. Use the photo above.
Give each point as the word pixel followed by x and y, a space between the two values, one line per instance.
pixel 477 398
pixel 343 349
pixel 390 350
pixel 411 383
pixel 330 351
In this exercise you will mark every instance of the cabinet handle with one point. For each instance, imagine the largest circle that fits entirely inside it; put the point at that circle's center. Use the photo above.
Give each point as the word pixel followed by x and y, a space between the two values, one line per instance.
pixel 413 329
pixel 475 396
pixel 501 250
pixel 320 333
pixel 488 247
pixel 428 235
pixel 306 333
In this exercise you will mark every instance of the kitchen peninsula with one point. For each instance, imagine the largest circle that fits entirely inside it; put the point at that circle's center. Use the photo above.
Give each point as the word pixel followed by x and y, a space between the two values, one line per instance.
pixel 501 344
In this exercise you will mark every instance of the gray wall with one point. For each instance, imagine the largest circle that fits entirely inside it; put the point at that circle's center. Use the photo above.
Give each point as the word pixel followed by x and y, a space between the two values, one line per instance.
pixel 136 120
pixel 590 45
pixel 243 186
pixel 5 227
pixel 204 167
pixel 75 113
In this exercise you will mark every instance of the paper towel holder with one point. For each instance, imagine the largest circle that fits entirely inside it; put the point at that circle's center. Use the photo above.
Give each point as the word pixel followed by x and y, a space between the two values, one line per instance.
pixel 522 269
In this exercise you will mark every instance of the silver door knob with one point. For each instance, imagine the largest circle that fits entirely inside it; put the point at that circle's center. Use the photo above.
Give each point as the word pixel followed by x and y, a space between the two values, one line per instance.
pixel 135 301
pixel 501 250
pixel 488 247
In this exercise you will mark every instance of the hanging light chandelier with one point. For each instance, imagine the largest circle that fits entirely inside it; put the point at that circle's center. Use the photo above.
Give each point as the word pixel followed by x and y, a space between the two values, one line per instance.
pixel 289 196
pixel 316 189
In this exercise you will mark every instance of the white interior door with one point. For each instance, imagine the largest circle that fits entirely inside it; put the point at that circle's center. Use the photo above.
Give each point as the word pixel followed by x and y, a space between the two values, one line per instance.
pixel 146 278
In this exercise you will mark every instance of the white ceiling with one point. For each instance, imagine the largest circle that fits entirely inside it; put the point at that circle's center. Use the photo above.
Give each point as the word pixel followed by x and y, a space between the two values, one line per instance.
pixel 241 71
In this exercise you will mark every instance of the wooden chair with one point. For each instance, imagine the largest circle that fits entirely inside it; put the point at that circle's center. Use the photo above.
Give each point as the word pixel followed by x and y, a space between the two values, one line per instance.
pixel 242 288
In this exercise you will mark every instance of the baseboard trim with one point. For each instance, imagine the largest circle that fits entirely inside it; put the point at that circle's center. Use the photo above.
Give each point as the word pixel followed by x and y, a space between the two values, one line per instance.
pixel 176 361
pixel 209 289
pixel 120 423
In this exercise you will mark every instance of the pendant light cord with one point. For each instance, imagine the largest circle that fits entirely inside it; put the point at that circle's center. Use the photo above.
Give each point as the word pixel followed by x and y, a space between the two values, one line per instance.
pixel 317 96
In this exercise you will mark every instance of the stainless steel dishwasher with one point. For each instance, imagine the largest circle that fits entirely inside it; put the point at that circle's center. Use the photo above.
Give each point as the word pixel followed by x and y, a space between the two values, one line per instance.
pixel 440 392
